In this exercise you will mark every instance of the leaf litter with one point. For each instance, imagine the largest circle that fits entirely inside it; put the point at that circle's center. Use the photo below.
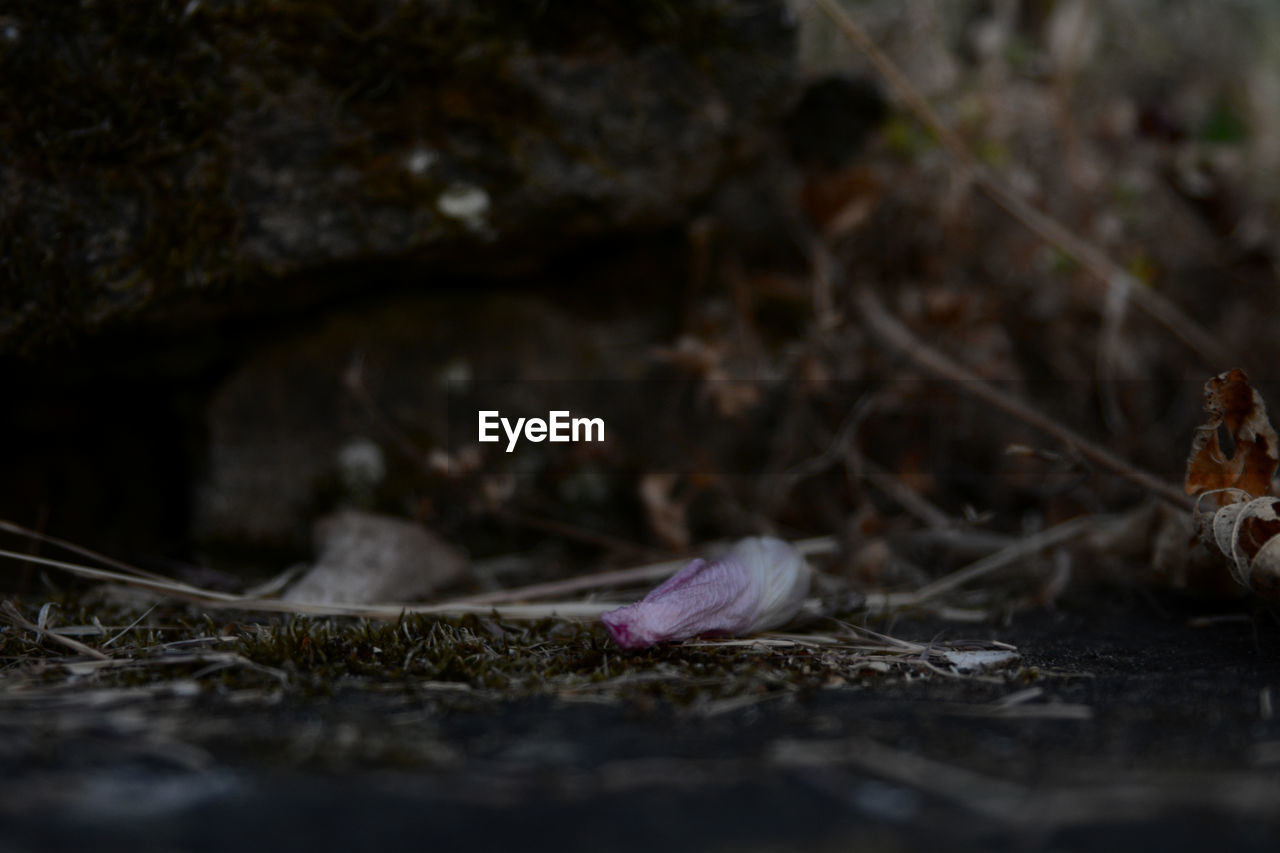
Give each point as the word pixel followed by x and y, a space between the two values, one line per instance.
pixel 1240 521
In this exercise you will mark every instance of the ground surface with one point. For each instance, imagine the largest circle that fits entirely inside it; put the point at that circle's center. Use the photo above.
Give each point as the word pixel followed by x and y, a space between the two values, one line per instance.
pixel 867 285
pixel 1151 728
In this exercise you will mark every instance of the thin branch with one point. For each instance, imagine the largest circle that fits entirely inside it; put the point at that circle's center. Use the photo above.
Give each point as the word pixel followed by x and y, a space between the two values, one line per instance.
pixel 1019 550
pixel 909 499
pixel 885 327
pixel 1089 256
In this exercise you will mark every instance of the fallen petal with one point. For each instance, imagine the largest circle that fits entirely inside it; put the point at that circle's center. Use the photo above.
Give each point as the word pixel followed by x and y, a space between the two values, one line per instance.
pixel 759 584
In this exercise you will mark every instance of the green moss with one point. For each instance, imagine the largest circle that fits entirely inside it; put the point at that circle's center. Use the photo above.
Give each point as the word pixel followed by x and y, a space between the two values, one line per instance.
pixel 993 154
pixel 1059 262
pixel 1225 124
pixel 548 658
pixel 907 138
pixel 440 665
pixel 1142 267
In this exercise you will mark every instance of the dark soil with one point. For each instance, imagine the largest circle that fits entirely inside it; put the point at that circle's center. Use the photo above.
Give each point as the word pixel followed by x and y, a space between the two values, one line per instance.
pixel 1173 746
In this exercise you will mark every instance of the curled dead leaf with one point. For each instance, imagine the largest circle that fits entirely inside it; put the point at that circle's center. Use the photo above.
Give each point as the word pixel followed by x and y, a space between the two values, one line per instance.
pixel 1241 523
pixel 1247 533
pixel 1236 406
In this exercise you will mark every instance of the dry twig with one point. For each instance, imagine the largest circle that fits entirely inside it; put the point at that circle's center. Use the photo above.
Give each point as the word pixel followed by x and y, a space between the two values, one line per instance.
pixel 1089 256
pixel 384 612
pixel 885 327
pixel 1019 550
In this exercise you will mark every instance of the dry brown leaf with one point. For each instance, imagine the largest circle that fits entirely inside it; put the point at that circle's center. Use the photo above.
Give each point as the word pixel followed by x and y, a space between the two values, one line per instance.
pixel 667 513
pixel 1232 403
pixel 838 202
pixel 1241 523
pixel 708 362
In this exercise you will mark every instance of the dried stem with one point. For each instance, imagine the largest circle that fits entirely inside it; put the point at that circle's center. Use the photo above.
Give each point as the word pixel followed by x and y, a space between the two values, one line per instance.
pixel 383 611
pixel 908 498
pixel 36 535
pixel 1089 256
pixel 1019 550
pixel 10 612
pixel 890 331
pixel 394 610
pixel 617 577
pixel 600 580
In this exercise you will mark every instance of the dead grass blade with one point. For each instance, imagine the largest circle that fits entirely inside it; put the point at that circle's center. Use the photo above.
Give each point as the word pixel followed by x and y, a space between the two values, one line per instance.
pixel 599 580
pixel 11 613
pixel 504 604
pixel 617 577
pixel 383 612
pixel 130 627
pixel 19 530
pixel 1019 550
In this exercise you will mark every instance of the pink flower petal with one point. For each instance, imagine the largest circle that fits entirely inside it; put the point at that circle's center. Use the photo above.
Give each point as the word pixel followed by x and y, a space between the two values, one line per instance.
pixel 759 584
